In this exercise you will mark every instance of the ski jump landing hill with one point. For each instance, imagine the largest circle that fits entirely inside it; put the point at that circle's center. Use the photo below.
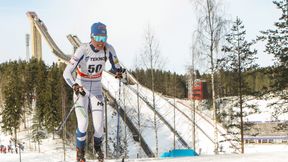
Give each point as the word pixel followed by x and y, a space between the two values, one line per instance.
pixel 137 112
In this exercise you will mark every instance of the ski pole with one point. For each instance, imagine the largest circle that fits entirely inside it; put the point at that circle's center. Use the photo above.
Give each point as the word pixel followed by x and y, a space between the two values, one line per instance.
pixel 118 121
pixel 67 116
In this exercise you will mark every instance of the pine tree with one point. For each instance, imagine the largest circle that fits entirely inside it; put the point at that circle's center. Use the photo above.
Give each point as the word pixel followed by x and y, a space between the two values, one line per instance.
pixel 277 44
pixel 52 115
pixel 38 132
pixel 42 93
pixel 30 73
pixel 13 99
pixel 42 103
pixel 239 58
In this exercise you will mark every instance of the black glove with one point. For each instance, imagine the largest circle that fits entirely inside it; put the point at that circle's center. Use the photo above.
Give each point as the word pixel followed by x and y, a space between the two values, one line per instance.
pixel 119 73
pixel 78 89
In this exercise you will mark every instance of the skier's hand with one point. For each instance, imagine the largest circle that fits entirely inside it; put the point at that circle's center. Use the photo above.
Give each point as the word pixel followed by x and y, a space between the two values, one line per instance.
pixel 119 73
pixel 78 89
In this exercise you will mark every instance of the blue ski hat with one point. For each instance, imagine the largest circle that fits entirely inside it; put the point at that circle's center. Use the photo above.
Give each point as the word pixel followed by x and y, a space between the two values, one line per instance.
pixel 98 28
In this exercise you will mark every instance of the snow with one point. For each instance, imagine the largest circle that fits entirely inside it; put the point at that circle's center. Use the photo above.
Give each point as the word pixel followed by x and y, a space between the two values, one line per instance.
pixel 52 150
pixel 267 107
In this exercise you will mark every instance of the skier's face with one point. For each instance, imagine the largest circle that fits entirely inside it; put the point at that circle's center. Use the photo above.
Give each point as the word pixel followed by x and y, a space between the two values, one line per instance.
pixel 99 41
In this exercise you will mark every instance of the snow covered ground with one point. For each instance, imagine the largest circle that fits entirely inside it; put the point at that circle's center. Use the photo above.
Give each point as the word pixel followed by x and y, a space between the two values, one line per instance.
pixel 52 150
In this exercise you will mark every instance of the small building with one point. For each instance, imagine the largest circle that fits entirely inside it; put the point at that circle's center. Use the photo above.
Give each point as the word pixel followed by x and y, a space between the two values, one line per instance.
pixel 199 90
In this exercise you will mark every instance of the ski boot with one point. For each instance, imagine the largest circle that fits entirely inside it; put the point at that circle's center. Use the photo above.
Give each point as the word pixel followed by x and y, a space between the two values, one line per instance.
pixel 80 153
pixel 100 155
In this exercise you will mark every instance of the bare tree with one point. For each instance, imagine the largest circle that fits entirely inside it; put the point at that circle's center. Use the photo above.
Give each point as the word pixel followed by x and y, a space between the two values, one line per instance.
pixel 211 25
pixel 136 66
pixel 150 56
pixel 151 60
pixel 191 69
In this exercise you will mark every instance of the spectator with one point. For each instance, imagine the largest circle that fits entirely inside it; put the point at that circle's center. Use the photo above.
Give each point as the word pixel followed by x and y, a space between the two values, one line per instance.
pixel 1 146
pixel 4 149
pixel 9 148
pixel 21 146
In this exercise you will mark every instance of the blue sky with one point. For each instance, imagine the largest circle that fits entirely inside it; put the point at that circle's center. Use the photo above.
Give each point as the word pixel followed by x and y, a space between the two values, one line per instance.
pixel 172 21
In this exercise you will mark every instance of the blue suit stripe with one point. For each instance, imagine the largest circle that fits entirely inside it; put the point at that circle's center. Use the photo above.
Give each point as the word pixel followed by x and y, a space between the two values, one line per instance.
pixel 80 144
pixel 112 62
pixel 78 62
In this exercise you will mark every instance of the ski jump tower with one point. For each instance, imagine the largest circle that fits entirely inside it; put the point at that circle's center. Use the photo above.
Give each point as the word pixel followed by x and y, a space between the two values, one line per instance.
pixel 39 30
pixel 36 44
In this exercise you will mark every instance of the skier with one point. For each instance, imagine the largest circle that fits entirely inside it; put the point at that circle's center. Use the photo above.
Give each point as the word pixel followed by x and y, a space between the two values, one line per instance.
pixel 89 62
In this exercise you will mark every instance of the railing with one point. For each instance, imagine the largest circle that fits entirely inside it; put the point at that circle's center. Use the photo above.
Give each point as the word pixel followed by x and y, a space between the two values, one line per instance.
pixel 181 140
pixel 129 123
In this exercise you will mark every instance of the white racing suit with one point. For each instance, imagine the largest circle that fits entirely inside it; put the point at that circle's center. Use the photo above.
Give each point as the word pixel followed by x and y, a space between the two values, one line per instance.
pixel 89 64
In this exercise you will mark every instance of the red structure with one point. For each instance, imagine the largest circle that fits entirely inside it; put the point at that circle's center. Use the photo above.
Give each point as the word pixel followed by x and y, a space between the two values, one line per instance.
pixel 199 90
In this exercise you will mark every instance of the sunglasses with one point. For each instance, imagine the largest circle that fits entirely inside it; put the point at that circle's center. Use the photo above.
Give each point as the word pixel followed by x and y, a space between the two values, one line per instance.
pixel 99 38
